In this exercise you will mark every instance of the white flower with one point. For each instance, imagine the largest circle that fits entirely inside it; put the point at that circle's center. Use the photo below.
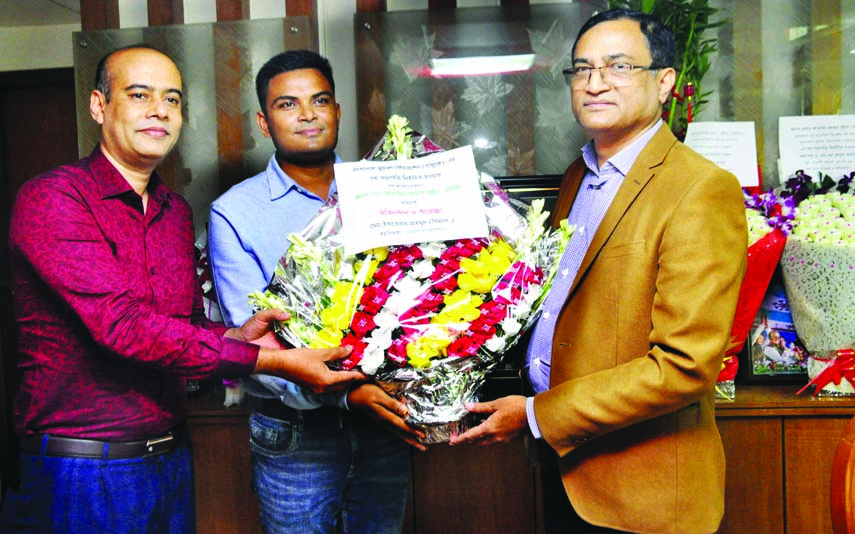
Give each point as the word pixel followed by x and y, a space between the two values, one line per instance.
pixel 386 320
pixel 432 250
pixel 421 269
pixel 407 292
pixel 510 326
pixel 495 344
pixel 372 359
pixel 522 308
pixel 380 338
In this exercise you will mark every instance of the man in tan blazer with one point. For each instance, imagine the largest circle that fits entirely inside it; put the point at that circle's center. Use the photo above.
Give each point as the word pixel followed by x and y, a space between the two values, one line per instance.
pixel 623 362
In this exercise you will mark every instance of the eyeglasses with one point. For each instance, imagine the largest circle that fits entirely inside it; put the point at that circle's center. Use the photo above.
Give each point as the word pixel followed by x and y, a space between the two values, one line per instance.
pixel 614 73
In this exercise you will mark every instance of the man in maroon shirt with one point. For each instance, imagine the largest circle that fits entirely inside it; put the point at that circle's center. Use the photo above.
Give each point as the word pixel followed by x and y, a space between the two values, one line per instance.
pixel 111 324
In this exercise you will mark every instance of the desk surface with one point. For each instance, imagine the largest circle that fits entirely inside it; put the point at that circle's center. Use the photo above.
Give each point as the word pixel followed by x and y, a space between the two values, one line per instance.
pixel 782 400
pixel 750 401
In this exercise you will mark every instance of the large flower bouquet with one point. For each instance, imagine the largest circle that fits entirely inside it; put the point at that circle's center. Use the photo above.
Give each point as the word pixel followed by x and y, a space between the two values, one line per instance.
pixel 818 267
pixel 428 320
pixel 768 224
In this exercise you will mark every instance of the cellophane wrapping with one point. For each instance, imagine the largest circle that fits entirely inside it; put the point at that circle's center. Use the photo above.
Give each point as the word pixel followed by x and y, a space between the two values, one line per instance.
pixel 426 321
pixel 818 266
pixel 766 240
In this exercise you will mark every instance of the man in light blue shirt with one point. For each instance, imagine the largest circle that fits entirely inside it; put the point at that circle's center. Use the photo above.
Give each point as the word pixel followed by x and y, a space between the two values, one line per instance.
pixel 314 459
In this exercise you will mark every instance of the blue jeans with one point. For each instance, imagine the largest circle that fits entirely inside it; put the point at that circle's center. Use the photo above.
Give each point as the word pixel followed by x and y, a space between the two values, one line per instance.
pixel 309 472
pixel 60 495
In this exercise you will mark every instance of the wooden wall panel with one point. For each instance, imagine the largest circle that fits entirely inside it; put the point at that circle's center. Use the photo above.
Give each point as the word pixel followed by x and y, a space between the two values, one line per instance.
pixel 165 12
pixel 38 131
pixel 813 441
pixel 225 502
pixel 474 489
pixel 99 14
pixel 228 10
pixel 754 497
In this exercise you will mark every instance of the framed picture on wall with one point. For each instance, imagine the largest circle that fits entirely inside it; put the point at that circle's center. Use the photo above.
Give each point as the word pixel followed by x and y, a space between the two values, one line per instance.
pixel 773 352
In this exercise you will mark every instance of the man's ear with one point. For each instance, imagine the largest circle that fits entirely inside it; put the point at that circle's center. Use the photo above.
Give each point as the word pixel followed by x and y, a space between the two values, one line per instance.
pixel 667 79
pixel 261 120
pixel 97 103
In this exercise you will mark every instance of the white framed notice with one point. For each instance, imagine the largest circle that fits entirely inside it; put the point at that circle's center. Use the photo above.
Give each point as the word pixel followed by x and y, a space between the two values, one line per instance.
pixel 817 144
pixel 730 145
pixel 432 198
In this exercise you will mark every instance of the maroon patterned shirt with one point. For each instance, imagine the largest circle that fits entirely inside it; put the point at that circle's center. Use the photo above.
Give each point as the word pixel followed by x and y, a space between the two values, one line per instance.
pixel 109 313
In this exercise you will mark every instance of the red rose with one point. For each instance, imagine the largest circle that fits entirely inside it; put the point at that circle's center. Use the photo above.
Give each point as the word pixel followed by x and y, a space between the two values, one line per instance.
pixel 430 301
pixel 373 298
pixel 462 347
pixel 405 256
pixel 494 311
pixel 386 272
pixel 398 351
pixel 362 323
pixel 356 355
pixel 481 330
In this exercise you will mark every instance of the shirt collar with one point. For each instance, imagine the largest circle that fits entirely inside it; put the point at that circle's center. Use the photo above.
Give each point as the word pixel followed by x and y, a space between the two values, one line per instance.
pixel 623 160
pixel 111 183
pixel 281 184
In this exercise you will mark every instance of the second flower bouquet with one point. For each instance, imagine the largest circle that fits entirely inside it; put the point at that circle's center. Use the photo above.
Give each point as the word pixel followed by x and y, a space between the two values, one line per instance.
pixel 426 321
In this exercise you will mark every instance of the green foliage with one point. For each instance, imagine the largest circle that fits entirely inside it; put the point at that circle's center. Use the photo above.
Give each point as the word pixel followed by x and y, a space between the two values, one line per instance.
pixel 689 20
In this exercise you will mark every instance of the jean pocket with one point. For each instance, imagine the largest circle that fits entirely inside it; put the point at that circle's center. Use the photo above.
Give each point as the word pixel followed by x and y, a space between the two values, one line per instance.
pixel 271 437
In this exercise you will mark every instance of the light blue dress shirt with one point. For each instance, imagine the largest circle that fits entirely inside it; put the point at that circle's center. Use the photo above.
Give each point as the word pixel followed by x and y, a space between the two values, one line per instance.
pixel 247 235
pixel 596 194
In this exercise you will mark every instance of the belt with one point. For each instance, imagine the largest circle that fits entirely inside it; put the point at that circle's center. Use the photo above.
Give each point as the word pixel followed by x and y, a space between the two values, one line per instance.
pixel 276 409
pixel 92 448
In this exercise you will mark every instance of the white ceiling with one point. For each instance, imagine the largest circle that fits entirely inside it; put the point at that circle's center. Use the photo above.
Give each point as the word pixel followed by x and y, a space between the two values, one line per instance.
pixel 39 12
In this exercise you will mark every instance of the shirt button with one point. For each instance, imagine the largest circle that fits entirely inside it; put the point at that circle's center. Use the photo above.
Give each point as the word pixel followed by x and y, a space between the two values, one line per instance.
pixel 151 272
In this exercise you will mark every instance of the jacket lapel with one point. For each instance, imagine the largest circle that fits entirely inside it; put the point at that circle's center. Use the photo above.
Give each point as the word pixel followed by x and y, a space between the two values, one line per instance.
pixel 568 190
pixel 644 168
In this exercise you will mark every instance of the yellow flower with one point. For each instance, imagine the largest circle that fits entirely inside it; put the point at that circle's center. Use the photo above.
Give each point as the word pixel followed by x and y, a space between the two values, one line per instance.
pixel 476 284
pixel 345 297
pixel 365 277
pixel 326 338
pixel 381 253
pixel 476 274
pixel 459 306
pixel 335 317
pixel 422 349
pixel 501 256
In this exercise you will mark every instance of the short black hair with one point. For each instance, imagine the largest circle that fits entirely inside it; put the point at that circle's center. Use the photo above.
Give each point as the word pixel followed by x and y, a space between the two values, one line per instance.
pixel 660 39
pixel 286 62
pixel 103 80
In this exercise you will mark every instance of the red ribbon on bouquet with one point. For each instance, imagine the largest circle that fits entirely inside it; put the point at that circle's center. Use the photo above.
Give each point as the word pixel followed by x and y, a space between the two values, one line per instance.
pixel 843 366
pixel 763 257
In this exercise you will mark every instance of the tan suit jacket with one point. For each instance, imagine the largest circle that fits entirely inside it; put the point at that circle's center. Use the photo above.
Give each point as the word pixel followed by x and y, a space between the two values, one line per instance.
pixel 639 344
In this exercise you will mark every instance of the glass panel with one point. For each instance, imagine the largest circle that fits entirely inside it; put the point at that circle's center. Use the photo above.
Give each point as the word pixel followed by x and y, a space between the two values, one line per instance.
pixel 780 58
pixel 519 123
pixel 220 144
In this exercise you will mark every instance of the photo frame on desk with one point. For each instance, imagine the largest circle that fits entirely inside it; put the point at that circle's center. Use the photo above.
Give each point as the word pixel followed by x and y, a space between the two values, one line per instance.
pixel 773 353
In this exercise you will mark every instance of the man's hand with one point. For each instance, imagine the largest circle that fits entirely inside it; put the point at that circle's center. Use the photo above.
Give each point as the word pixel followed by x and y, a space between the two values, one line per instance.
pixel 308 368
pixel 371 400
pixel 506 421
pixel 259 329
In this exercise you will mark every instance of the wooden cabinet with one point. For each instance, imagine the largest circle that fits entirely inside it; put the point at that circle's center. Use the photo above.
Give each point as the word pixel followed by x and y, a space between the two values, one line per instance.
pixel 452 489
pixel 779 448
pixel 225 502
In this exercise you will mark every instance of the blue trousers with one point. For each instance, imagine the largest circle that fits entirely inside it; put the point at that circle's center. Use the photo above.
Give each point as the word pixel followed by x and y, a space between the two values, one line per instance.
pixel 59 495
pixel 308 473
